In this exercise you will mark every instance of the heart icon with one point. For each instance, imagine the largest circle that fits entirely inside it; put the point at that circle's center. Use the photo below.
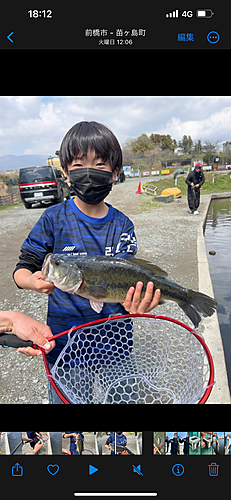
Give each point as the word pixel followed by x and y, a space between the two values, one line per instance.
pixel 53 469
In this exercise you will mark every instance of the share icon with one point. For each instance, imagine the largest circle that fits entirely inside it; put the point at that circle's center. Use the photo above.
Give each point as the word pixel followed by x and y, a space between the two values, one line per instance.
pixel 137 470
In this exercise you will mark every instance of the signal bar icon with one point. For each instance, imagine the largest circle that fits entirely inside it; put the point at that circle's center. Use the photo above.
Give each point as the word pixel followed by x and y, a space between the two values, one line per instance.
pixel 173 14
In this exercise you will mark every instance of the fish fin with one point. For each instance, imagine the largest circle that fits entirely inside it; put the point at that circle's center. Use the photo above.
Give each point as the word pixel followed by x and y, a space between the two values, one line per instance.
pixel 191 313
pixel 149 266
pixel 96 306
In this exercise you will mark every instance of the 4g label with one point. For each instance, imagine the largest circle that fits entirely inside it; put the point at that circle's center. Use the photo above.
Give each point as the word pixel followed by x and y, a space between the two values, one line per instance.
pixel 187 13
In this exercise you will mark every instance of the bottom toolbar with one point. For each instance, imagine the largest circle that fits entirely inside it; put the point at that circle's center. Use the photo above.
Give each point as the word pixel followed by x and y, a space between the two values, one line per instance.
pixel 60 477
pixel 96 471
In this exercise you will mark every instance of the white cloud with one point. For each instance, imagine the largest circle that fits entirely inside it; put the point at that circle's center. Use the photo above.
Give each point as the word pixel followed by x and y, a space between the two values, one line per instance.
pixel 217 126
pixel 38 124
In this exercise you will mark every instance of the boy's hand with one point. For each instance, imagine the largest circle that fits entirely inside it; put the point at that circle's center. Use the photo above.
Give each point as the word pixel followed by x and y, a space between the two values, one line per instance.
pixel 133 302
pixel 36 283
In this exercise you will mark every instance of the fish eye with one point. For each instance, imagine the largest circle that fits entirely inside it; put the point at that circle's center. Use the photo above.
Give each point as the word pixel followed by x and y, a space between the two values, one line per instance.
pixel 57 262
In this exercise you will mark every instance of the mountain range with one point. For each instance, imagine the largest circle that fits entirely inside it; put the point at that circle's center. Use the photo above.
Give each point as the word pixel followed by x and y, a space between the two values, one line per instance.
pixel 12 162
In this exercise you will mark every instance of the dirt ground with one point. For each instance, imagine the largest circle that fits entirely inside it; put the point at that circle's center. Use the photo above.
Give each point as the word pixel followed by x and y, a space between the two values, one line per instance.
pixel 167 236
pixel 166 233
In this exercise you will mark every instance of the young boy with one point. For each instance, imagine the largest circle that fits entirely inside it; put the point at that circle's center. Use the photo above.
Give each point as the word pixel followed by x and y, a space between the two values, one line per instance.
pixel 76 442
pixel 85 225
pixel 121 440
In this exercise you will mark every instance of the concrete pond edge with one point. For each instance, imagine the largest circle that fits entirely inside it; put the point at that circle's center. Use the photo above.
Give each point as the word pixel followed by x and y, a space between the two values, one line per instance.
pixel 220 392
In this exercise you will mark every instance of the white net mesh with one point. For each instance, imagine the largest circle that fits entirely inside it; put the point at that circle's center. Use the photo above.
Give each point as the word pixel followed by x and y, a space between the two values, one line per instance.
pixel 132 361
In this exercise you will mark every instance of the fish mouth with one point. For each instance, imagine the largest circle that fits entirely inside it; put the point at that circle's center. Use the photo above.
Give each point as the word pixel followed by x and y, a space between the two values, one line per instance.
pixel 47 268
pixel 48 274
pixel 63 280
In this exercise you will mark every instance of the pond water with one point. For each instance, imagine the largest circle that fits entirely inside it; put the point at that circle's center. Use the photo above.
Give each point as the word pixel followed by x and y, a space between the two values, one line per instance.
pixel 218 239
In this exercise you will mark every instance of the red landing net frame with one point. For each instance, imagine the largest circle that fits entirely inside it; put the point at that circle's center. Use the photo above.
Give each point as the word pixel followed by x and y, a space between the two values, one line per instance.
pixel 133 359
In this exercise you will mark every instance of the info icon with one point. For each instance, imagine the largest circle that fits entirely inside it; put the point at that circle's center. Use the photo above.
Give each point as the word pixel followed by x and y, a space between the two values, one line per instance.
pixel 178 470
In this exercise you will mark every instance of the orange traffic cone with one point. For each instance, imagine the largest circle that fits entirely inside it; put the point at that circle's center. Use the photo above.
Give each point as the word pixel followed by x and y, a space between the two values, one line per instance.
pixel 139 188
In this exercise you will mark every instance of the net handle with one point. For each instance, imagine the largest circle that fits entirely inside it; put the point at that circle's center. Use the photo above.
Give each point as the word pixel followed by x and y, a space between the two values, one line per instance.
pixel 123 316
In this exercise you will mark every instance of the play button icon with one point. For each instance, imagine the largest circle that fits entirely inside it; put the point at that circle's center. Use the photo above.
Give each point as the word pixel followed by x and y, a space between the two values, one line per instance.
pixel 92 470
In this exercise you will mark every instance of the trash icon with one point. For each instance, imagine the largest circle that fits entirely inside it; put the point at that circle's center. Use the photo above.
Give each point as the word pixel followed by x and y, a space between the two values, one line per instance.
pixel 213 469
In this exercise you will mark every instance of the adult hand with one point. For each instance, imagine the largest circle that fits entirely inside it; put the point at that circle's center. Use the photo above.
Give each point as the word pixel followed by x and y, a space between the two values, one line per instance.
pixel 27 328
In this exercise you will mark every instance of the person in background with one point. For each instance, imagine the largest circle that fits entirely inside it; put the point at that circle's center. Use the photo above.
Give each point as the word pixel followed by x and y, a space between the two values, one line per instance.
pixel 194 180
pixel 186 444
pixel 174 444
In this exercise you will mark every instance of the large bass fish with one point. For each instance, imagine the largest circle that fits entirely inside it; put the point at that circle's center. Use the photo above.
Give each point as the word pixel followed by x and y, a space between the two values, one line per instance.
pixel 108 279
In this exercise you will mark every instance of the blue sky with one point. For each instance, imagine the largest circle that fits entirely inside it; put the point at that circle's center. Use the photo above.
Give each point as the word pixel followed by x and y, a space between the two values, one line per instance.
pixel 36 125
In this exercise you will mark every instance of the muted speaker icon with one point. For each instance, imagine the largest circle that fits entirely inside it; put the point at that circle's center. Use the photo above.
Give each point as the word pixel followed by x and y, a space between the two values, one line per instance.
pixel 137 470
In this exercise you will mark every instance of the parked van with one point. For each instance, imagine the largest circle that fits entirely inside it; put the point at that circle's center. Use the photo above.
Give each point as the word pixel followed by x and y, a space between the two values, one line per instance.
pixel 42 184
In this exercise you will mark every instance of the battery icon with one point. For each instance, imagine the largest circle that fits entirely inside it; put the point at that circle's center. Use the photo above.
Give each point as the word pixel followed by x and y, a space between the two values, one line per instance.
pixel 205 13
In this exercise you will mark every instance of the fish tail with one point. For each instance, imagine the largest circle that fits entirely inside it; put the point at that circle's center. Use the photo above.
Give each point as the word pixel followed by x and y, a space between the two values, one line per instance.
pixel 198 303
pixel 204 304
pixel 191 313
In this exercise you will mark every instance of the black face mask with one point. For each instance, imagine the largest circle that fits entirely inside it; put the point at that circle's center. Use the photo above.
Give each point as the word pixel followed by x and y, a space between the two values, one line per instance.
pixel 90 184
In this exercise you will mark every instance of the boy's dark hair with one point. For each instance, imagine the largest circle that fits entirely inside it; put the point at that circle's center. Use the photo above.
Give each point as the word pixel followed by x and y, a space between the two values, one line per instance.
pixel 90 135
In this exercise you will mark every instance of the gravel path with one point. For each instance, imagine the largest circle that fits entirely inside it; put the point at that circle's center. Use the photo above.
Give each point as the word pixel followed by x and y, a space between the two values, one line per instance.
pixel 167 236
pixel 23 380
